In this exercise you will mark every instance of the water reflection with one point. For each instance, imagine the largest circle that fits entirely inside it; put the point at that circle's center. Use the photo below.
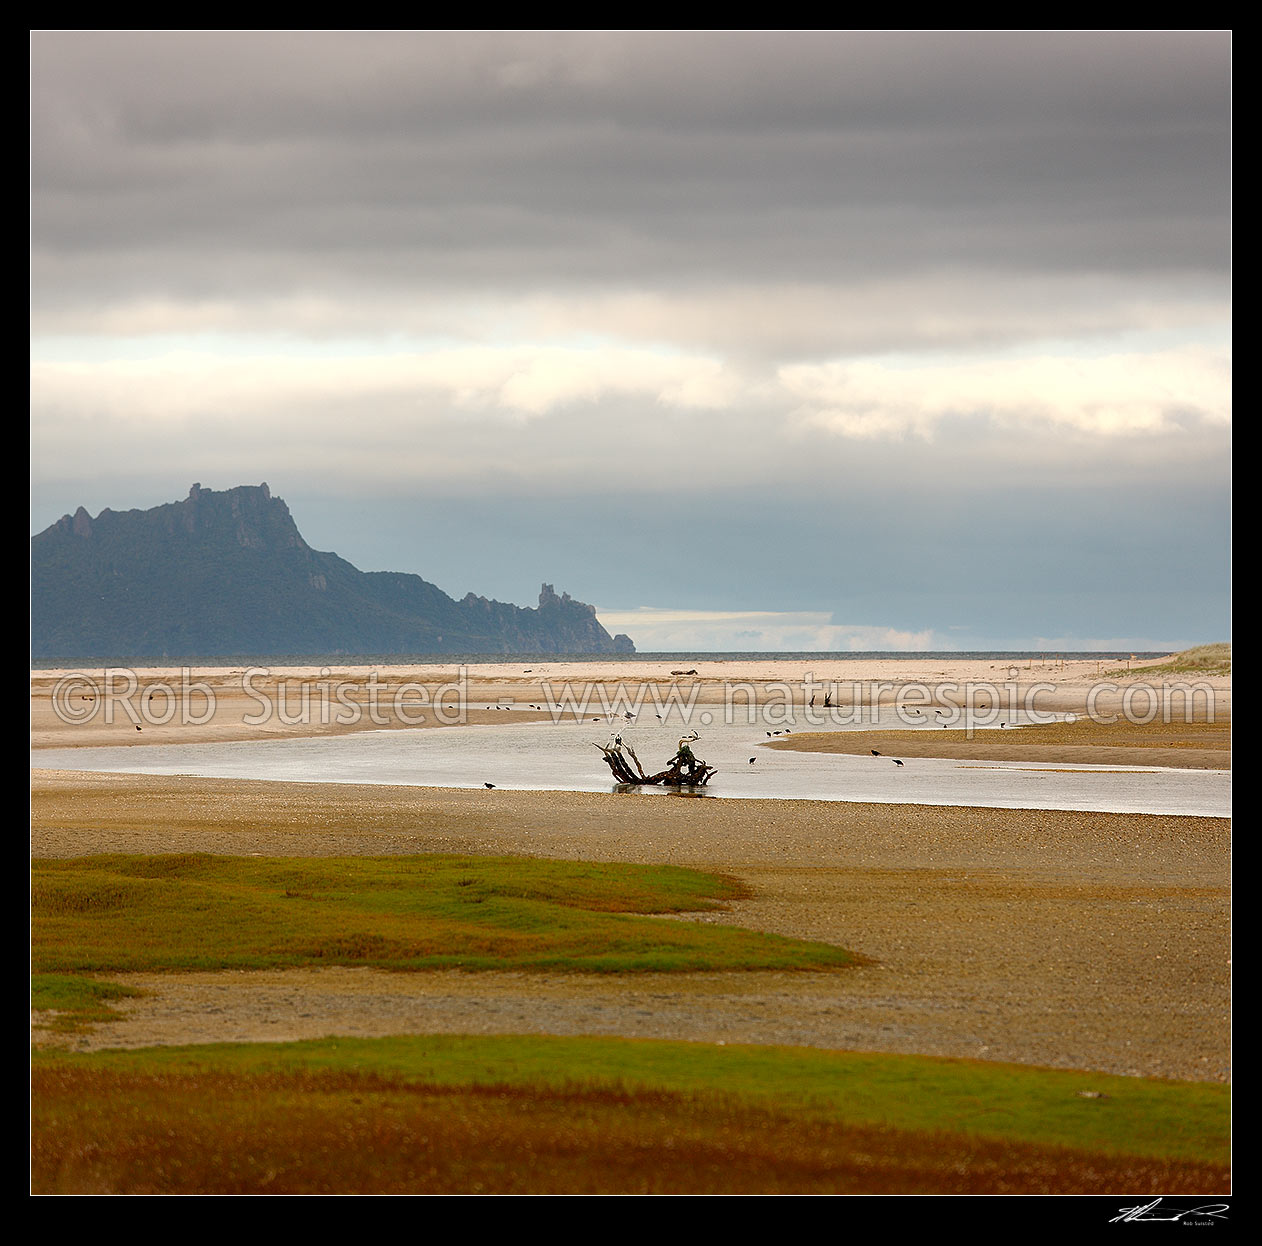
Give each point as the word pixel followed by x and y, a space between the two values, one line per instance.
pixel 660 789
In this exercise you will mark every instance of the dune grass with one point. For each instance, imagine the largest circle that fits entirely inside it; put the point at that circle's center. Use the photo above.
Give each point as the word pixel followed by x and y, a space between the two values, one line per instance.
pixel 1205 659
pixel 1201 660
pixel 120 913
pixel 547 1115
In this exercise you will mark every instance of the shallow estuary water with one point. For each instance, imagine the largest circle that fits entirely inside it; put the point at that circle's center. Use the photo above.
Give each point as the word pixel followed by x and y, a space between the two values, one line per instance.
pixel 562 756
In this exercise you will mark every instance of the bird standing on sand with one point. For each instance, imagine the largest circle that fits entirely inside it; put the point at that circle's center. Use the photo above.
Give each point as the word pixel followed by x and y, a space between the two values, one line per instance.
pixel 875 753
pixel 488 784
pixel 752 760
pixel 897 762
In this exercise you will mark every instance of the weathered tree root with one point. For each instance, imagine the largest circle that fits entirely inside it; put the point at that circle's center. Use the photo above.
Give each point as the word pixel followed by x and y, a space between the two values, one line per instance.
pixel 685 770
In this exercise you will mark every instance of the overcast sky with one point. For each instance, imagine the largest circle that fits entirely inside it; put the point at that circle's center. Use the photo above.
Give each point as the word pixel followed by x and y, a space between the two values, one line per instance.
pixel 755 340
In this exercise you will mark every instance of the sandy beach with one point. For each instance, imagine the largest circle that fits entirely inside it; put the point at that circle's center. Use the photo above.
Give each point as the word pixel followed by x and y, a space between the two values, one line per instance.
pixel 169 704
pixel 1079 940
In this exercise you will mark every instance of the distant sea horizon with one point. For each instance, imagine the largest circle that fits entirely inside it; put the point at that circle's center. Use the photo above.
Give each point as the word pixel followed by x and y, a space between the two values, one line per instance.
pixel 488 659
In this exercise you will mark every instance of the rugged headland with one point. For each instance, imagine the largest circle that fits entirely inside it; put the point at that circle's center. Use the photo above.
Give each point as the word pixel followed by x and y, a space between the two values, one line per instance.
pixel 227 572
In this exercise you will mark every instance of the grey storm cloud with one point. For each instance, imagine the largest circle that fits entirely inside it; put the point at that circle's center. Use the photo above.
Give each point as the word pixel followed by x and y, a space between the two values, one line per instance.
pixel 576 157
pixel 889 303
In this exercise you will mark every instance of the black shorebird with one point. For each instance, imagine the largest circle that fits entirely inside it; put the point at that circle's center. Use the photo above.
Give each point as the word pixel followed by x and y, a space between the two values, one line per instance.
pixel 488 784
pixel 875 753
pixel 897 762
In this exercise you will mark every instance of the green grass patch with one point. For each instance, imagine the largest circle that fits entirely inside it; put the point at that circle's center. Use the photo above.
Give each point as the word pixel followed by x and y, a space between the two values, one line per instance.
pixel 75 1003
pixel 201 911
pixel 447 1114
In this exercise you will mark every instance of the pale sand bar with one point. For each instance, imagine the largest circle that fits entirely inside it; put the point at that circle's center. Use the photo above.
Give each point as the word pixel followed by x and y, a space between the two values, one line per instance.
pixel 342 699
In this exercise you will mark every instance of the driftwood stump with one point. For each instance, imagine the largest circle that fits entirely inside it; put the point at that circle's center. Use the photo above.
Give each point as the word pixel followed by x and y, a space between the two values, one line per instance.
pixel 685 769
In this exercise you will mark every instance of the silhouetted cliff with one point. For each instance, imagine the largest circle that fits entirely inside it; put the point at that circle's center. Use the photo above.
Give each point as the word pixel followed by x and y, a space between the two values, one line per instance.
pixel 229 573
